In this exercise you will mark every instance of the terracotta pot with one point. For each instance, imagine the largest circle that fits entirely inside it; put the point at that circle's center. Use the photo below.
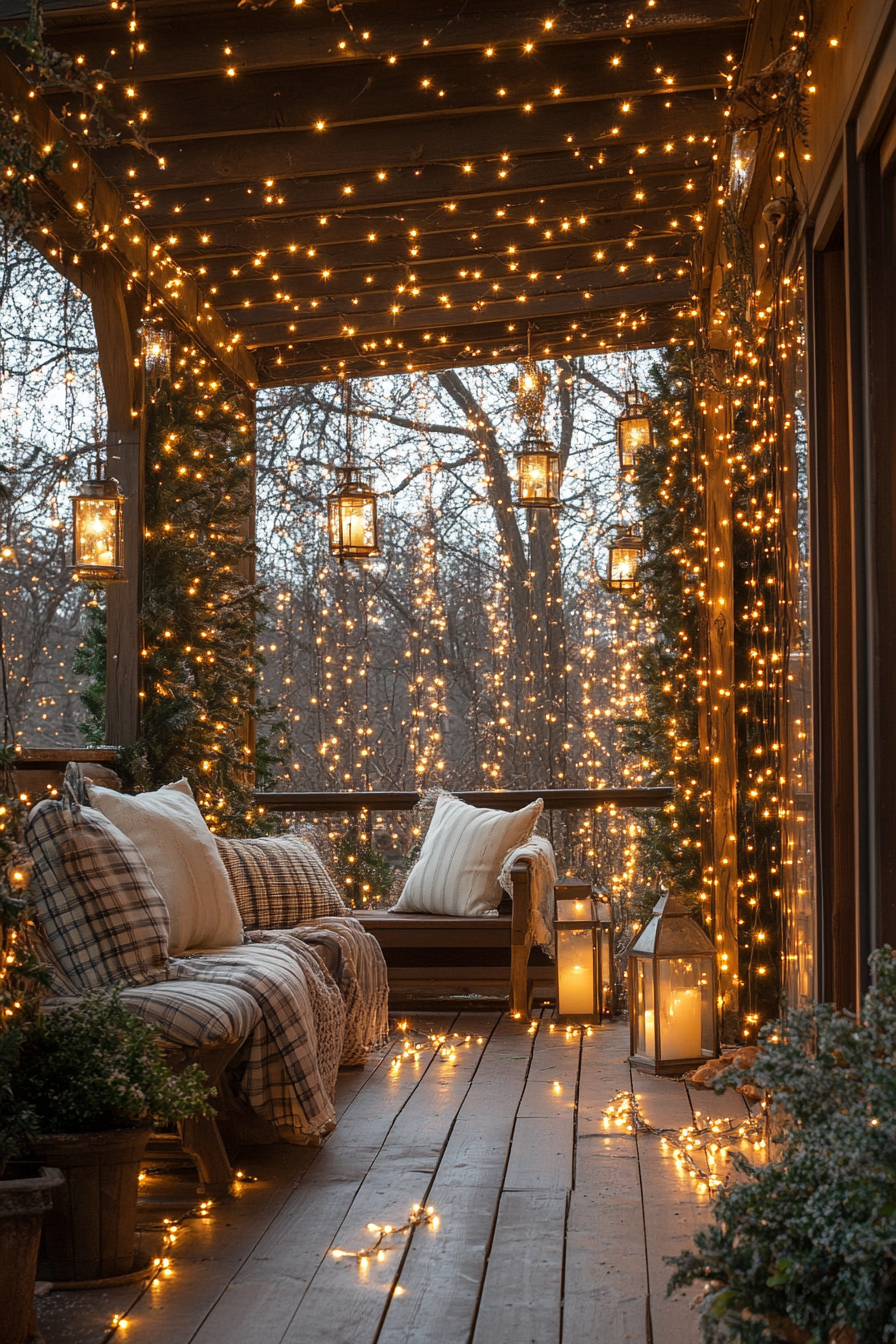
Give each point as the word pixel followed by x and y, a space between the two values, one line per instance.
pixel 90 1231
pixel 24 1200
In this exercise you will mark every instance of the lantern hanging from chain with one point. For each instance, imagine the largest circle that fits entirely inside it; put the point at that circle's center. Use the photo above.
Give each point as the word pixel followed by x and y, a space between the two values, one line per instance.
pixel 538 474
pixel 622 565
pixel 633 429
pixel 156 354
pixel 352 520
pixel 538 462
pixel 97 531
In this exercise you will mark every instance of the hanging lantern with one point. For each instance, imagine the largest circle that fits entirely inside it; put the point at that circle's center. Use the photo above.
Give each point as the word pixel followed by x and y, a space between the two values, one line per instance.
pixel 622 566
pixel 538 474
pixel 671 992
pixel 352 516
pixel 633 429
pixel 97 554
pixel 583 952
pixel 157 356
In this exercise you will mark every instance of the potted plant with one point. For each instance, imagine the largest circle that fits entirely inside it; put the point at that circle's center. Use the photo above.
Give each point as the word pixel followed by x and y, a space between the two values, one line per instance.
pixel 803 1249
pixel 95 1079
pixel 25 1190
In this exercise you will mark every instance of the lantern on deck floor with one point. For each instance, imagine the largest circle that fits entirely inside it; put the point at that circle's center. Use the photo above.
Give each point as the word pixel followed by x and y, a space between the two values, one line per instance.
pixel 97 533
pixel 351 516
pixel 671 992
pixel 622 564
pixel 538 474
pixel 583 951
pixel 633 429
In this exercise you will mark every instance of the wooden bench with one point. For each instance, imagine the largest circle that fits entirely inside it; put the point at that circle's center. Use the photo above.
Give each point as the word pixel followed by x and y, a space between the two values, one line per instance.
pixel 489 956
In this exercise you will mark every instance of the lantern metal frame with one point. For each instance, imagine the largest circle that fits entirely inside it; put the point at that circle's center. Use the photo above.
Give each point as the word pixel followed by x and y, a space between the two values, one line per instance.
pixel 628 538
pixel 671 936
pixel 104 489
pixel 351 499
pixel 350 486
pixel 538 446
pixel 637 407
pixel 577 910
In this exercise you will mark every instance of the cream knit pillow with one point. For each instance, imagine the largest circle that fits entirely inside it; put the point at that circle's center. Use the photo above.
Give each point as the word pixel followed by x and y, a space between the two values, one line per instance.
pixel 459 864
pixel 170 832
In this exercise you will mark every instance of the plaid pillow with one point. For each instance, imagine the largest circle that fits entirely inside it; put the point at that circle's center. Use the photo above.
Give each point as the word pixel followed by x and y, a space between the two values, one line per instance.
pixel 279 882
pixel 101 911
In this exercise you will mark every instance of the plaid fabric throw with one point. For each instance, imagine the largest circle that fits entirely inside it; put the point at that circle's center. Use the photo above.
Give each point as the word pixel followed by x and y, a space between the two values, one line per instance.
pixel 100 909
pixel 279 882
pixel 293 1054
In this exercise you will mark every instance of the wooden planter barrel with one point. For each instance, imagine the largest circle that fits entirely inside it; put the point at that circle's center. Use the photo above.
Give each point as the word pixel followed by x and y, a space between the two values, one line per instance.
pixel 24 1201
pixel 89 1233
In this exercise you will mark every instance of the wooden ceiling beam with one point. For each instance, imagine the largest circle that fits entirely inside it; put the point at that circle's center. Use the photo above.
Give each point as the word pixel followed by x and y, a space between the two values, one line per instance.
pixel 429 87
pixel 85 215
pixel 391 248
pixel 437 321
pixel 558 260
pixel 654 325
pixel 188 41
pixel 250 158
pixel 616 172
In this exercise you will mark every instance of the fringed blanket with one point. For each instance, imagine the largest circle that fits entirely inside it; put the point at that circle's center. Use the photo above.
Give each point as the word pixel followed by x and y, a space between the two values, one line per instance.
pixel 540 856
pixel 294 1052
pixel 364 983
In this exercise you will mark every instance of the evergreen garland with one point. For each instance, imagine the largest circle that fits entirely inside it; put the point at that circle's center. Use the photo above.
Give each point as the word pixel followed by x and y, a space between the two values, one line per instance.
pixel 199 608
pixel 666 736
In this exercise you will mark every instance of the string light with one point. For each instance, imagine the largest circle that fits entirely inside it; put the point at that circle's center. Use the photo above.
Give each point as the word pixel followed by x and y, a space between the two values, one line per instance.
pixel 418 1217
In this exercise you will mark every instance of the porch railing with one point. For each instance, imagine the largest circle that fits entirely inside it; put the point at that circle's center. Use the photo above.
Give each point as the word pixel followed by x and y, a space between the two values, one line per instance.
pixel 504 800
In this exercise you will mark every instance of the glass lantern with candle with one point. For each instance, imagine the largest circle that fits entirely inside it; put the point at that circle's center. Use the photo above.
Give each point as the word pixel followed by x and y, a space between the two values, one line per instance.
pixel 671 992
pixel 538 474
pixel 352 516
pixel 622 565
pixel 583 951
pixel 97 533
pixel 633 429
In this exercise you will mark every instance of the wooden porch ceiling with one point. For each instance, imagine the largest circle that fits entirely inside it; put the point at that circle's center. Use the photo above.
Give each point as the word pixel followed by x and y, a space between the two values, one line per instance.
pixel 397 184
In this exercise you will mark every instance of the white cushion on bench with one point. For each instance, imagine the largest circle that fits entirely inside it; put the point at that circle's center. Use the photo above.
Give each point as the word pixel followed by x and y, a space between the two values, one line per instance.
pixel 462 856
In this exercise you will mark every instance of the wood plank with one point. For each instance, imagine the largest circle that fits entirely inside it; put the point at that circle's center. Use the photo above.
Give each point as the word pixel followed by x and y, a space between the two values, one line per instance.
pixel 355 149
pixel 542 187
pixel 673 1209
pixel 522 1290
pixel 217 1251
pixel 442 1272
pixel 184 43
pixel 344 1300
pixel 504 800
pixel 259 1295
pixel 606 1299
pixel 361 91
pixel 467 318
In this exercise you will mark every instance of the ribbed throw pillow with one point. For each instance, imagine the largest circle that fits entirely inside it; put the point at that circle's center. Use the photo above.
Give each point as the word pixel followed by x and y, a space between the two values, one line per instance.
pixel 461 858
pixel 279 882
pixel 101 912
pixel 170 832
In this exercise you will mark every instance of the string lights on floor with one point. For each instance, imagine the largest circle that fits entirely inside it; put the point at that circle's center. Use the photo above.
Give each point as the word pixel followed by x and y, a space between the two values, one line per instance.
pixel 709 1139
pixel 419 1216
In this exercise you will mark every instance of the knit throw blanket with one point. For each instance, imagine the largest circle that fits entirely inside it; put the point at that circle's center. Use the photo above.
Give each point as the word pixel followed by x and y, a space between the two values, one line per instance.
pixel 364 983
pixel 294 1052
pixel 539 854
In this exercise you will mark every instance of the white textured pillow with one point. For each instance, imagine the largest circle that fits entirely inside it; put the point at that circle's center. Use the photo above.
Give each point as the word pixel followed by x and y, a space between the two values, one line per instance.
pixel 170 832
pixel 459 864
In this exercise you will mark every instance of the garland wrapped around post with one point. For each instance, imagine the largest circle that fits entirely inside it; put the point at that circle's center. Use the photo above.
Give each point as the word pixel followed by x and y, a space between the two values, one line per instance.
pixel 200 605
pixel 666 737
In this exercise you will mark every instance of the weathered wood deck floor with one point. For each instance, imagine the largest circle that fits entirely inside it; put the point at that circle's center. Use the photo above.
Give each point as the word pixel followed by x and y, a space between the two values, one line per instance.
pixel 552 1230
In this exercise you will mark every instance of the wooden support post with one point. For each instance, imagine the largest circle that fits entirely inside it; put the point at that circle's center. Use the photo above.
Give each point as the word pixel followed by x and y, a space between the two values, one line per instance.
pixel 720 734
pixel 116 315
